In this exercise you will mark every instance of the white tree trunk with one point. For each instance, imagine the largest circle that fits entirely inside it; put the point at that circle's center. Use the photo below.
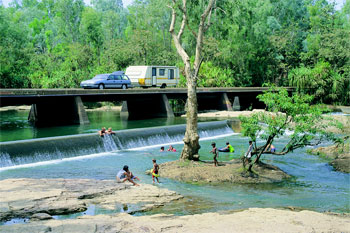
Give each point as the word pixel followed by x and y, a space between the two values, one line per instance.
pixel 191 139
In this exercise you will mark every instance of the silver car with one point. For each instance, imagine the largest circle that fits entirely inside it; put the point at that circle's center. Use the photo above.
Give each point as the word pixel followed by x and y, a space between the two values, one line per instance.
pixel 114 80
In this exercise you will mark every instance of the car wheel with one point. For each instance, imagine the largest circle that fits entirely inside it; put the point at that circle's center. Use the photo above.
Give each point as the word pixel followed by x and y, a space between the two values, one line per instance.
pixel 163 85
pixel 124 87
pixel 101 87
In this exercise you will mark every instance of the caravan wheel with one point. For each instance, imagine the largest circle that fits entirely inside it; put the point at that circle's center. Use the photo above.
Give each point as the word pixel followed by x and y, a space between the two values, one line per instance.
pixel 163 85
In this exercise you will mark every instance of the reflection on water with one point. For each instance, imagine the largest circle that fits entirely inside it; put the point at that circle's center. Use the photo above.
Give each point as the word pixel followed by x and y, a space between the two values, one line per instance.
pixel 15 126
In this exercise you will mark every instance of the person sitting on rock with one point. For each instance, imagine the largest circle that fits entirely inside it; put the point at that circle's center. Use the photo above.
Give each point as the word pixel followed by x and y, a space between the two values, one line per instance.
pixel 109 131
pixel 102 132
pixel 124 175
pixel 132 176
pixel 228 148
pixel 171 148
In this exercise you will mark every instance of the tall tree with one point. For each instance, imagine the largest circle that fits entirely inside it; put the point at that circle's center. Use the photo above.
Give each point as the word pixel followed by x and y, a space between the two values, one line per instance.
pixel 191 139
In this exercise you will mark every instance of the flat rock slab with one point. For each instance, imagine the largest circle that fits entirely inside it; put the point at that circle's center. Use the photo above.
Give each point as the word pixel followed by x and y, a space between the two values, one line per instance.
pixel 251 220
pixel 25 197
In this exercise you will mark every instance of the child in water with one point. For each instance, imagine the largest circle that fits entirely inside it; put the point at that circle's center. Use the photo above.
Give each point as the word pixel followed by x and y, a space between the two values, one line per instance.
pixel 155 170
pixel 171 148
pixel 216 154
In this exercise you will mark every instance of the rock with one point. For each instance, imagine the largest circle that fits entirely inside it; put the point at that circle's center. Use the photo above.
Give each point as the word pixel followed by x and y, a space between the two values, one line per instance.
pixel 250 220
pixel 338 154
pixel 40 216
pixel 66 196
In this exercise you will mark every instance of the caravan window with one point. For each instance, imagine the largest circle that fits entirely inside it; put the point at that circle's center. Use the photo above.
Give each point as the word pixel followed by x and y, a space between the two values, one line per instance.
pixel 171 74
pixel 161 72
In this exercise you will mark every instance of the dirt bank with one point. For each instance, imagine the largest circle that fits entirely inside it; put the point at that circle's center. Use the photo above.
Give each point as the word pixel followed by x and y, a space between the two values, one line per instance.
pixel 222 115
pixel 227 172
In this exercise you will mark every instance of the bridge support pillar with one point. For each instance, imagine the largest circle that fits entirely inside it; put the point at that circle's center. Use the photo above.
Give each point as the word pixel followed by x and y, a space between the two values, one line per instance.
pixel 225 103
pixel 148 107
pixel 58 111
pixel 236 104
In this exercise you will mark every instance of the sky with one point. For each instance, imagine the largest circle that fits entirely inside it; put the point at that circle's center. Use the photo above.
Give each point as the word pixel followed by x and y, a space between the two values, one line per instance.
pixel 339 3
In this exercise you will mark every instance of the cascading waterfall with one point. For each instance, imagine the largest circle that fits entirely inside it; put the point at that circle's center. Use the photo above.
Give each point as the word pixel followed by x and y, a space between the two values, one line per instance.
pixel 39 150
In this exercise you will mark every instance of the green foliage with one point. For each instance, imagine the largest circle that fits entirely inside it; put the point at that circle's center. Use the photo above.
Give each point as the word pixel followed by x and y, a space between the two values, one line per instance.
pixel 57 43
pixel 293 113
pixel 320 81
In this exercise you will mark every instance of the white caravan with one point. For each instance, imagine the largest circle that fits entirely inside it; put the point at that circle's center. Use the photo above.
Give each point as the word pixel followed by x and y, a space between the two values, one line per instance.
pixel 153 76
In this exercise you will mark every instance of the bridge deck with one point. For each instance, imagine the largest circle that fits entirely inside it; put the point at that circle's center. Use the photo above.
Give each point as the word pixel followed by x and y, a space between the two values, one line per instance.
pixel 138 91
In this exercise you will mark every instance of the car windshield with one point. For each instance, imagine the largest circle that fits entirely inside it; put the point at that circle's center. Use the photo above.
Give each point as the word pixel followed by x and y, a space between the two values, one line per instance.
pixel 101 76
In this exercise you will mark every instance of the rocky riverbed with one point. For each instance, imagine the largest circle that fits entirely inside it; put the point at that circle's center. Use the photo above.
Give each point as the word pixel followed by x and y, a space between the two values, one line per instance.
pixel 251 220
pixel 23 198
pixel 39 199
pixel 338 154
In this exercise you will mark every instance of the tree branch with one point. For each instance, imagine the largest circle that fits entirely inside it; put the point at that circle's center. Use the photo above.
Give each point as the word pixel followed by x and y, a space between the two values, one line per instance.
pixel 201 30
pixel 184 19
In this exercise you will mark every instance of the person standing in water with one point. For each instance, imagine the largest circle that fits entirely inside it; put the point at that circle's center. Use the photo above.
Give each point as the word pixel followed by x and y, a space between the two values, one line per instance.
pixel 155 170
pixel 124 175
pixel 216 154
pixel 248 155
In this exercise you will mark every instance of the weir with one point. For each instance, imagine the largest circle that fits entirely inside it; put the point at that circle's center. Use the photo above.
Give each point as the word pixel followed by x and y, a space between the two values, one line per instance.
pixel 53 148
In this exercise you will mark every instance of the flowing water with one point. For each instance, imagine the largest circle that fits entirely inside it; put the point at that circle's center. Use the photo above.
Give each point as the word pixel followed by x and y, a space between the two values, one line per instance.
pixel 15 126
pixel 314 185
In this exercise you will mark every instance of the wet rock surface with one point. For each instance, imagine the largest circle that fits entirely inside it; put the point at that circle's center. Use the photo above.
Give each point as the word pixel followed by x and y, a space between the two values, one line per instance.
pixel 338 154
pixel 250 220
pixel 21 198
pixel 204 172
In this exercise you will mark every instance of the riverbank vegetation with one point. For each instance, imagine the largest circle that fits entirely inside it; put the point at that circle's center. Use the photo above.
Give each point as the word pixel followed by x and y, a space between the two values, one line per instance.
pixel 307 124
pixel 338 154
pixel 57 44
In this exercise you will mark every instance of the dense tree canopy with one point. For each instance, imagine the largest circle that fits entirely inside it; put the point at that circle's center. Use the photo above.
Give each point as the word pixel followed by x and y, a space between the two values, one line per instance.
pixel 58 43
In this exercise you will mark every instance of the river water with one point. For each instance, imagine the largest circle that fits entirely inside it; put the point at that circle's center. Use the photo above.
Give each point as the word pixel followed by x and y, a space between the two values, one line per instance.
pixel 314 185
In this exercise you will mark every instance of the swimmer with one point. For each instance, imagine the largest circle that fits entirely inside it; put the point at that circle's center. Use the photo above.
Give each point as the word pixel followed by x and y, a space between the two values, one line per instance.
pixel 162 149
pixel 228 148
pixel 171 148
pixel 102 132
pixel 109 131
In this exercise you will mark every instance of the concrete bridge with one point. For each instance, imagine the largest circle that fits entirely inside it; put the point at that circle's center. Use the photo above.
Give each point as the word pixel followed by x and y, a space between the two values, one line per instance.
pixel 65 106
